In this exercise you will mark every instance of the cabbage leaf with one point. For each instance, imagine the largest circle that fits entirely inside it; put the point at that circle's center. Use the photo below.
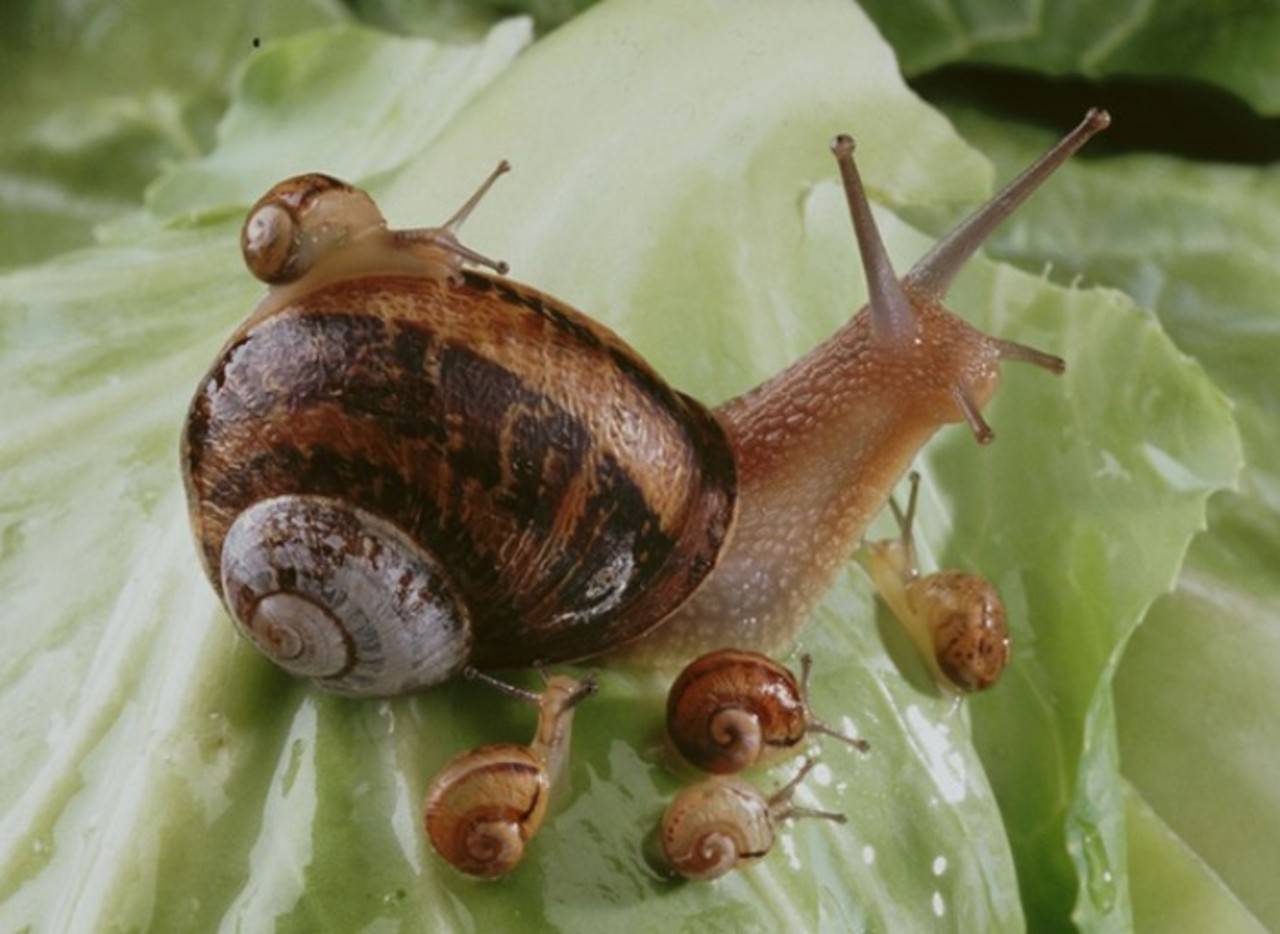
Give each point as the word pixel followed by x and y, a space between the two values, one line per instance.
pixel 159 775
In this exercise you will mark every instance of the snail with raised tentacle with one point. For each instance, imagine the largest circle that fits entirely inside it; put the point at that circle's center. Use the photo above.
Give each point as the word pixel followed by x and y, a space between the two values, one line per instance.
pixel 398 467
pixel 721 824
pixel 955 619
pixel 485 804
pixel 730 709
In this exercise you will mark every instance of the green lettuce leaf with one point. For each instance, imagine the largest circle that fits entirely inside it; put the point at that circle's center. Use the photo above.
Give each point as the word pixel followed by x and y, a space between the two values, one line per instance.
pixel 99 96
pixel 1225 43
pixel 160 775
pixel 1197 690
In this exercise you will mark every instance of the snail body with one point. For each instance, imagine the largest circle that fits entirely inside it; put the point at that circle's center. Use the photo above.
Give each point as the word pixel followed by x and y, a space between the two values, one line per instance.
pixel 722 824
pixel 731 709
pixel 956 619
pixel 399 466
pixel 485 804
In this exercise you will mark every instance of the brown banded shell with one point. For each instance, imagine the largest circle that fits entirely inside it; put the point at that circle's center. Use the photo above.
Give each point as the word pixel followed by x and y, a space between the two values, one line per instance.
pixel 569 496
pixel 730 709
pixel 484 805
pixel 714 827
pixel 966 618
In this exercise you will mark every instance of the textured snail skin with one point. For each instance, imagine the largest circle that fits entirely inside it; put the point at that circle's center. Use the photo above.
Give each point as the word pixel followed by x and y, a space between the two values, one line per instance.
pixel 716 826
pixel 819 448
pixel 729 709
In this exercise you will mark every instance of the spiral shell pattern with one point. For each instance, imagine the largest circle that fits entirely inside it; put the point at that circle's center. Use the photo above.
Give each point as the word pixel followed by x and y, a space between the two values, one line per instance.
pixel 484 805
pixel 966 618
pixel 715 826
pixel 729 709
pixel 331 592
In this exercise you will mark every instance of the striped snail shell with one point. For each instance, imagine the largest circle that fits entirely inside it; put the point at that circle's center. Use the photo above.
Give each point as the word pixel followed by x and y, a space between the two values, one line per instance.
pixel 485 804
pixel 715 826
pixel 721 824
pixel 730 709
pixel 398 467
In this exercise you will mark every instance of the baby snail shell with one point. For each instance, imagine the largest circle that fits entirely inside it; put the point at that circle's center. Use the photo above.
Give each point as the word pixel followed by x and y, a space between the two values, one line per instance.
pixel 723 823
pixel 730 709
pixel 400 465
pixel 956 620
pixel 485 804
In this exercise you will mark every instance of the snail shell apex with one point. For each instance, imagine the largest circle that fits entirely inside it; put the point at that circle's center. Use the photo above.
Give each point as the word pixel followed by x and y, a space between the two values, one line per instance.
pixel 484 805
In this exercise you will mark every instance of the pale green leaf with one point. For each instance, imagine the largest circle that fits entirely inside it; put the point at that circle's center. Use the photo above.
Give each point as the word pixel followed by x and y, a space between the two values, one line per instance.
pixel 159 775
pixel 1198 689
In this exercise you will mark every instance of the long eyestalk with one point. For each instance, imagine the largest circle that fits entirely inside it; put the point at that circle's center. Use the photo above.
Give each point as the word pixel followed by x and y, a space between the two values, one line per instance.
pixel 446 236
pixel 932 275
pixel 892 317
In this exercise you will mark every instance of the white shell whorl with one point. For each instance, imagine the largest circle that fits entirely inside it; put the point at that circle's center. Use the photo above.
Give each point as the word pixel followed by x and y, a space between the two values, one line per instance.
pixel 331 592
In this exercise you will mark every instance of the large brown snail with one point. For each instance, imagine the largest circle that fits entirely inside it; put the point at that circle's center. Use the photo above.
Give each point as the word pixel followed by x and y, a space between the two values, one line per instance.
pixel 398 467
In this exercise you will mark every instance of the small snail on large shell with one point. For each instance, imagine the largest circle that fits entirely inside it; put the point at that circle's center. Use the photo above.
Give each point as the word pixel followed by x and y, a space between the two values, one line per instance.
pixel 398 467
pixel 955 619
pixel 723 823
pixel 730 709
pixel 485 804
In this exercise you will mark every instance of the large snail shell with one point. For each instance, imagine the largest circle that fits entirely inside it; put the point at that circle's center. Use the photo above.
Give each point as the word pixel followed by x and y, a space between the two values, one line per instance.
pixel 966 618
pixel 729 709
pixel 571 498
pixel 484 805
pixel 713 827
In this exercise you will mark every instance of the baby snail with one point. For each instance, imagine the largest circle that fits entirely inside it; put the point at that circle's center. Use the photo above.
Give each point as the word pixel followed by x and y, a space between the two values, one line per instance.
pixel 485 804
pixel 956 620
pixel 730 709
pixel 398 466
pixel 723 823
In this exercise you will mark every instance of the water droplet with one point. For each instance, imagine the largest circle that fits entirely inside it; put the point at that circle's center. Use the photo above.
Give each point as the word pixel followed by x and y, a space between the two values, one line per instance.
pixel 939 865
pixel 939 906
pixel 789 848
pixel 1100 882
pixel 822 774
pixel 868 854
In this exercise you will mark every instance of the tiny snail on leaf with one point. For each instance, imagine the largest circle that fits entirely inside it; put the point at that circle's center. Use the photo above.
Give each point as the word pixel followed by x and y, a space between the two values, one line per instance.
pixel 486 803
pixel 729 709
pixel 723 823
pixel 398 467
pixel 955 619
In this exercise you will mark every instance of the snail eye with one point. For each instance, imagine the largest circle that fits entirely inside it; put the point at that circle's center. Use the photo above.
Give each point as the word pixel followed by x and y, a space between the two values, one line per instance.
pixel 267 241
